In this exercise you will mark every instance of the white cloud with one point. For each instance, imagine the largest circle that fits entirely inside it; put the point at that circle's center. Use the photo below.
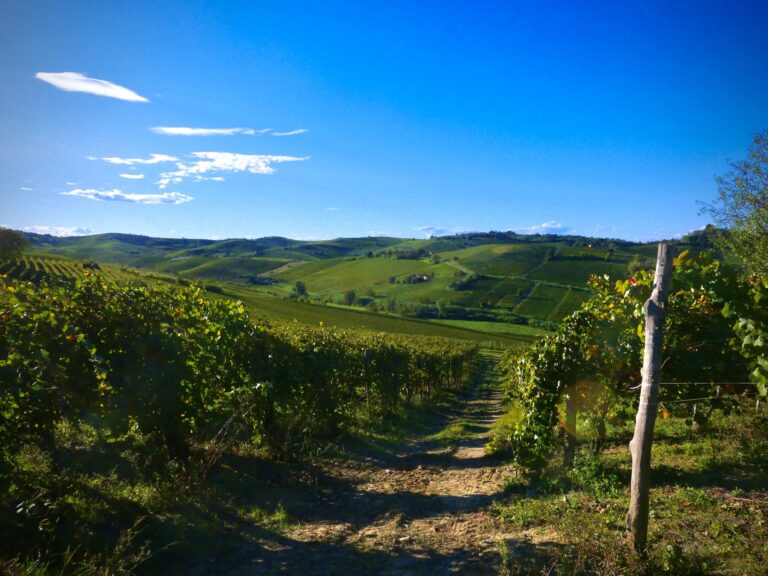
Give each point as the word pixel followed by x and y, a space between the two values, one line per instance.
pixel 430 231
pixel 333 209
pixel 153 159
pixel 551 227
pixel 291 133
pixel 59 230
pixel 119 196
pixel 76 82
pixel 132 176
pixel 25 189
pixel 186 131
pixel 223 162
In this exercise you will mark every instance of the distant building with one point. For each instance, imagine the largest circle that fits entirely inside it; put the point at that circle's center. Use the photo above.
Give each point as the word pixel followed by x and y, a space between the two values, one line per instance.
pixel 416 278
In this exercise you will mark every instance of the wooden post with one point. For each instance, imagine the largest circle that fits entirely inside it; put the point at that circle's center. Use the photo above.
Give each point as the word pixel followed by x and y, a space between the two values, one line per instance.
pixel 640 446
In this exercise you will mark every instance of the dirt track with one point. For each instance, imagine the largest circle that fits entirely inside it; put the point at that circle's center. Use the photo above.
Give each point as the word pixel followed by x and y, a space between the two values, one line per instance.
pixel 421 508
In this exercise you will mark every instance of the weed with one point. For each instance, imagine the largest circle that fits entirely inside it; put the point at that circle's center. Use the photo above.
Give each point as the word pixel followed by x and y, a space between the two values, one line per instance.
pixel 278 519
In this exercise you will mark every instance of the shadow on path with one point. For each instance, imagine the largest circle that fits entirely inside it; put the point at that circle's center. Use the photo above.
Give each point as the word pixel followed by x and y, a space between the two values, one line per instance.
pixel 416 508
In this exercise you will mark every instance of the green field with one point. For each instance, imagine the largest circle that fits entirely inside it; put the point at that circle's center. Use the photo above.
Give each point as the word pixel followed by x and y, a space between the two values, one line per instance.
pixel 235 269
pixel 477 276
pixel 514 330
pixel 542 301
pixel 500 259
pixel 340 275
pixel 577 272
pixel 277 309
pixel 36 267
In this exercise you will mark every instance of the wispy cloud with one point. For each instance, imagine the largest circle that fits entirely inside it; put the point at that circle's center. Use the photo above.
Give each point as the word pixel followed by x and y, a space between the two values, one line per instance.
pixel 333 209
pixel 25 189
pixel 153 159
pixel 186 131
pixel 76 82
pixel 59 230
pixel 291 133
pixel 430 231
pixel 223 162
pixel 551 227
pixel 132 176
pixel 603 229
pixel 120 196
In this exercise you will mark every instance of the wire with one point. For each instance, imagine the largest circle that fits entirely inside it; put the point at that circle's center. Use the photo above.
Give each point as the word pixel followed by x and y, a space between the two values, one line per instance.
pixel 708 384
pixel 662 403
pixel 699 384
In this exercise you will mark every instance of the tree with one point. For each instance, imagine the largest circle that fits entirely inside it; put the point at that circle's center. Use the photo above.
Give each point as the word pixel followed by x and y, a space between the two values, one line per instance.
pixel 742 207
pixel 349 297
pixel 300 288
pixel 11 243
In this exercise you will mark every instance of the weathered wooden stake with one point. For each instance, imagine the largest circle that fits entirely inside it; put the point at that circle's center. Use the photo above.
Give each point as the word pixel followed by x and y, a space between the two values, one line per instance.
pixel 640 447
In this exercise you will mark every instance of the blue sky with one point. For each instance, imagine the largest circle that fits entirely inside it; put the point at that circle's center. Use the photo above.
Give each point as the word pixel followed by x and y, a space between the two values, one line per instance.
pixel 327 119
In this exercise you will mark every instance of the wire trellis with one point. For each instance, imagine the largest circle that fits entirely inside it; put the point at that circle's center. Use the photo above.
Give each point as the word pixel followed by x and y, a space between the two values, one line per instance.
pixel 664 402
pixel 699 384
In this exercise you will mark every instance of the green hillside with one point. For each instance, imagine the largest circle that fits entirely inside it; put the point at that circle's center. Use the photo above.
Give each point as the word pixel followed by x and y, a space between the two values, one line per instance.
pixel 263 306
pixel 476 277
pixel 36 267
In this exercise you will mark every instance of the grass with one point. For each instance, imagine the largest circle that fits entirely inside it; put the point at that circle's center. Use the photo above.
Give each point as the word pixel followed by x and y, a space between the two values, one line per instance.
pixel 234 269
pixel 709 501
pixel 500 259
pixel 458 431
pixel 339 275
pixel 577 272
pixel 519 330
pixel 542 301
pixel 277 519
pixel 272 308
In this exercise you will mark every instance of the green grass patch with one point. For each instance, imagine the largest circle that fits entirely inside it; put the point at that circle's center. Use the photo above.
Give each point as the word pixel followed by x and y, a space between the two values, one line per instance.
pixel 577 272
pixel 524 332
pixel 272 308
pixel 458 431
pixel 542 301
pixel 709 501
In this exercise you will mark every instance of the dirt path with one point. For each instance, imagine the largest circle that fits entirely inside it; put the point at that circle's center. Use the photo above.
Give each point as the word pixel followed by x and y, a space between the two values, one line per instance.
pixel 420 509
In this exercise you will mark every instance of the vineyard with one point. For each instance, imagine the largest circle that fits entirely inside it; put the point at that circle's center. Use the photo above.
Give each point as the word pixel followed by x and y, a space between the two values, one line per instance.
pixel 176 378
pixel 37 268
pixel 387 289
pixel 501 277
pixel 139 405
pixel 593 359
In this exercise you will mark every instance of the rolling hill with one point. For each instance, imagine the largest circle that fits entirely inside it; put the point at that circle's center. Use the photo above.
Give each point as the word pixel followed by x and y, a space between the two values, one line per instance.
pixel 474 278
